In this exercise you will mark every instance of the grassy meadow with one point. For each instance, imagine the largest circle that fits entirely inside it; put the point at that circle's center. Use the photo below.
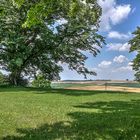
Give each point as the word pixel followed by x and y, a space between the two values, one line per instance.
pixel 60 114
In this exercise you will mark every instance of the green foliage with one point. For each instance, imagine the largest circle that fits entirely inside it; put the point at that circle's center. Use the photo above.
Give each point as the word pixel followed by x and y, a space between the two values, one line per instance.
pixel 18 3
pixel 3 79
pixel 41 82
pixel 135 47
pixel 40 35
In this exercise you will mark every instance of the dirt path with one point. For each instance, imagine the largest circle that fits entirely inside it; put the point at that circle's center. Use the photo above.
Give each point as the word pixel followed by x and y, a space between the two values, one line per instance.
pixel 113 88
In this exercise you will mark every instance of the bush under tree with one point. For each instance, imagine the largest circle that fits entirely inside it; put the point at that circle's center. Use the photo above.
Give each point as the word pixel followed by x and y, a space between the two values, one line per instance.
pixel 3 79
pixel 41 82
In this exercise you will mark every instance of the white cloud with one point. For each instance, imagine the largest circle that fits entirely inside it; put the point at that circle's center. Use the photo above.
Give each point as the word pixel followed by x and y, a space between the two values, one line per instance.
pixel 61 21
pixel 119 13
pixel 112 13
pixel 105 64
pixel 127 68
pixel 94 69
pixel 120 59
pixel 130 64
pixel 117 35
pixel 118 47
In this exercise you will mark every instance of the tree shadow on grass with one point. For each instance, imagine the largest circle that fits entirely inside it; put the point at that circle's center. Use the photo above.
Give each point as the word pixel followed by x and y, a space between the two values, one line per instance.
pixel 115 120
pixel 70 92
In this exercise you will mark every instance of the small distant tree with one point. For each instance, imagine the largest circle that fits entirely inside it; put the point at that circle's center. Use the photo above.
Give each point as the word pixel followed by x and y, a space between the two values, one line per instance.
pixel 127 79
pixel 41 82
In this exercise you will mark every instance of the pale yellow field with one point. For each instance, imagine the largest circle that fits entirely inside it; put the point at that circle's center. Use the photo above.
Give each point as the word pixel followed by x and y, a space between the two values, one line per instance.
pixel 111 88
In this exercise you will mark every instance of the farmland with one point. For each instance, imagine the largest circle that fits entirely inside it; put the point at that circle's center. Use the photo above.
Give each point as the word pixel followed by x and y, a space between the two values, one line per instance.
pixel 129 86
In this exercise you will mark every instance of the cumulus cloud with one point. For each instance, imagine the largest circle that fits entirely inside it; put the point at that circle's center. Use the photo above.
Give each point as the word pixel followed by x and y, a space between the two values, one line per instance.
pixel 105 64
pixel 118 47
pixel 120 36
pixel 112 13
pixel 119 13
pixel 130 64
pixel 120 59
pixel 127 68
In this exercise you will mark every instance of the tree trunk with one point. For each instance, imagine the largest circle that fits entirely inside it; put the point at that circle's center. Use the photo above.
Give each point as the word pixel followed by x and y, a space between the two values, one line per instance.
pixel 15 78
pixel 15 81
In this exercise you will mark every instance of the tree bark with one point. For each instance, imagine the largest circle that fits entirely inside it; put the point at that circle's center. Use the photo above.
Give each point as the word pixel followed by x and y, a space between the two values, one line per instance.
pixel 15 78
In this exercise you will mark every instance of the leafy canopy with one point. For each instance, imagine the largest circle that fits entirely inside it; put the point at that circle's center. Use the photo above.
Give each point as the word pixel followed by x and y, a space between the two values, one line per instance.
pixel 40 35
pixel 135 46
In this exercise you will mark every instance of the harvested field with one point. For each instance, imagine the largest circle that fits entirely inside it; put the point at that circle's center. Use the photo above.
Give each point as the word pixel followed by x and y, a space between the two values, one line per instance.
pixel 110 88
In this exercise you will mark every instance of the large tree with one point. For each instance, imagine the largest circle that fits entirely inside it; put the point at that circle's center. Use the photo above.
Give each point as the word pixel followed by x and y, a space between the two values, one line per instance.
pixel 135 47
pixel 39 35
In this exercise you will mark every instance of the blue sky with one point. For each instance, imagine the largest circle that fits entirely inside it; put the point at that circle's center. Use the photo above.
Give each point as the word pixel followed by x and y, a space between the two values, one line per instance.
pixel 119 19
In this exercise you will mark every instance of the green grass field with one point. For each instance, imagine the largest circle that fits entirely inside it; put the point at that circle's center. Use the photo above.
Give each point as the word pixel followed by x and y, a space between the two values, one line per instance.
pixel 37 114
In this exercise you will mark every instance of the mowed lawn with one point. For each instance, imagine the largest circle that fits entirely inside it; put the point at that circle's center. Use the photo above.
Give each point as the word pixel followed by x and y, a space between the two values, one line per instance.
pixel 35 114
